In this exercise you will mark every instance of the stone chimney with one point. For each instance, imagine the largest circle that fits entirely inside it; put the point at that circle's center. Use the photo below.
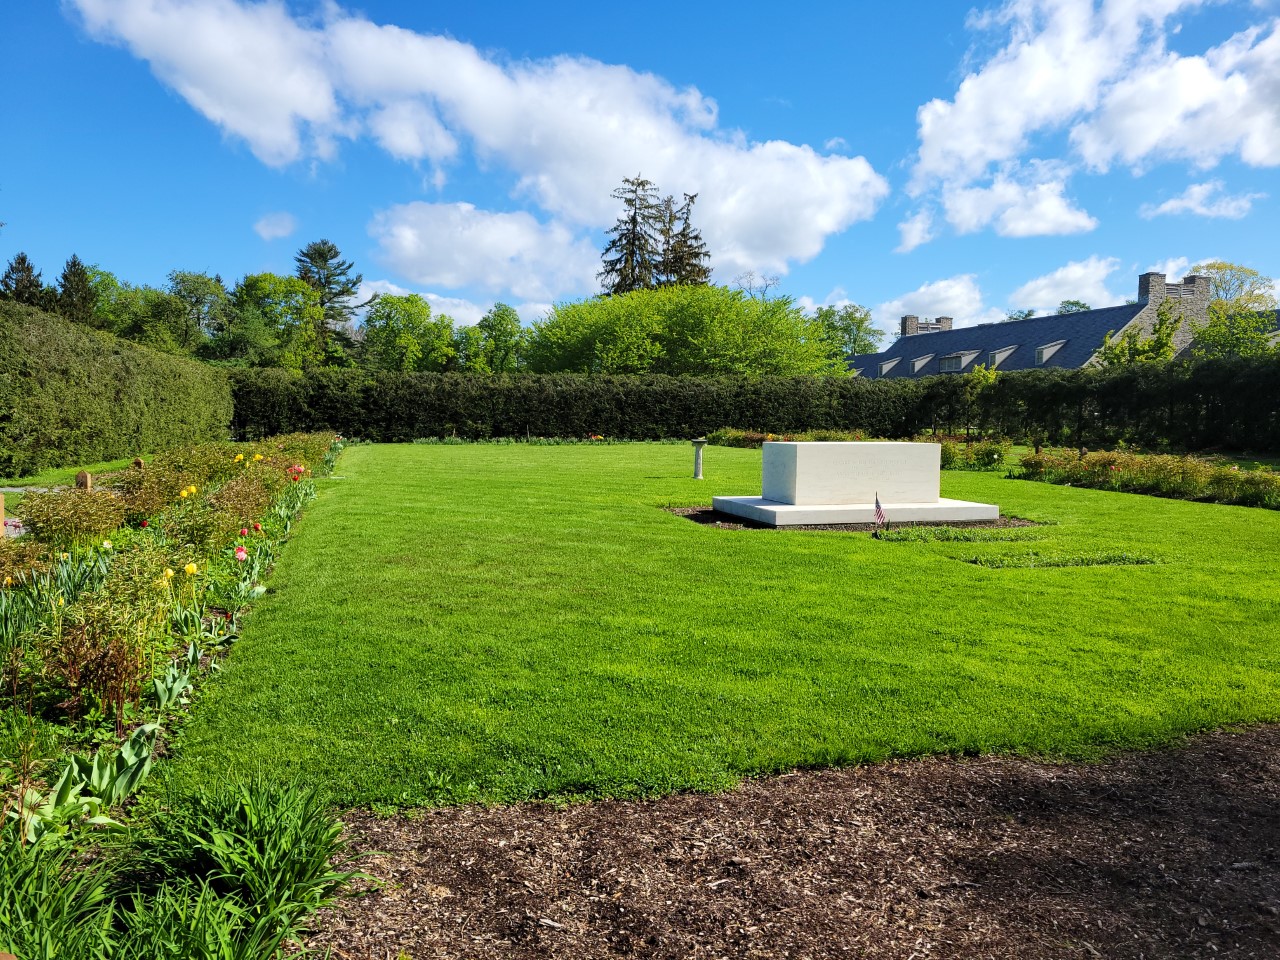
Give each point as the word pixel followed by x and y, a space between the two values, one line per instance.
pixel 911 325
pixel 1151 288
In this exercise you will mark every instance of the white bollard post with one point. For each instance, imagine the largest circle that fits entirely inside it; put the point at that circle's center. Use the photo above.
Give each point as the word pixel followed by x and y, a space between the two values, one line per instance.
pixel 697 457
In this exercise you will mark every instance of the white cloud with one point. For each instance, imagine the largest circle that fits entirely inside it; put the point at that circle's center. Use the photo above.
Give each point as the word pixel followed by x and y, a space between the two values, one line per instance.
pixel 1203 200
pixel 1079 280
pixel 569 128
pixel 915 230
pixel 455 245
pixel 1194 108
pixel 1101 73
pixel 834 144
pixel 1016 208
pixel 957 297
pixel 275 226
pixel 249 68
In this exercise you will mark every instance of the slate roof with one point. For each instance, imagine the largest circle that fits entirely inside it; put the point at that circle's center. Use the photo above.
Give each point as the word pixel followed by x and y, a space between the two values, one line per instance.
pixel 1080 335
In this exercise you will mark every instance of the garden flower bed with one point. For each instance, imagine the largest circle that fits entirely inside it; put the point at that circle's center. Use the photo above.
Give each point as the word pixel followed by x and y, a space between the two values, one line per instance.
pixel 113 605
pixel 1161 475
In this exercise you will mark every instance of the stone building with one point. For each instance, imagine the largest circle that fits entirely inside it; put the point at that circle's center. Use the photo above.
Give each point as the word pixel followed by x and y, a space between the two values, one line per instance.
pixel 928 347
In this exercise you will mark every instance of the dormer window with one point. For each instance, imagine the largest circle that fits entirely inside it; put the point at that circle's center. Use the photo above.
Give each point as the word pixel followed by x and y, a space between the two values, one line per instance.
pixel 997 357
pixel 919 362
pixel 1048 350
pixel 950 364
pixel 888 365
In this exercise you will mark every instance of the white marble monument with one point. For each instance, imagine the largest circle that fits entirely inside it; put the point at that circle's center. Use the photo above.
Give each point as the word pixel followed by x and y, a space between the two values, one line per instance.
pixel 839 482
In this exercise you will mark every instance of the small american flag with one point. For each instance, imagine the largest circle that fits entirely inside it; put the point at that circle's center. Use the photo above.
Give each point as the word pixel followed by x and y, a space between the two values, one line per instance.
pixel 881 519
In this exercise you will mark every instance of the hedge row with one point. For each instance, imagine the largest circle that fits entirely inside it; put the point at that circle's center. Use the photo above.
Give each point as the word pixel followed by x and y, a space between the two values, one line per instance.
pixel 73 395
pixel 1233 404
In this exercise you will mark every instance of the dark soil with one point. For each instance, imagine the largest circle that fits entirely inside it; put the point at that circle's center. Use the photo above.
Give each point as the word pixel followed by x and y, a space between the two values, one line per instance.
pixel 728 521
pixel 1156 855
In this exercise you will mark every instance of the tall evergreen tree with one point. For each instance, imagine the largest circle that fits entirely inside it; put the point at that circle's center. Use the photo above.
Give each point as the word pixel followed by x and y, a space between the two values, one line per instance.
pixel 21 282
pixel 76 296
pixel 688 256
pixel 631 258
pixel 321 266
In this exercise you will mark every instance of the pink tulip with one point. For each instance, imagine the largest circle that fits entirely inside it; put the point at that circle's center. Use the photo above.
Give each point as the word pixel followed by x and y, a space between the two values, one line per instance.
pixel 242 554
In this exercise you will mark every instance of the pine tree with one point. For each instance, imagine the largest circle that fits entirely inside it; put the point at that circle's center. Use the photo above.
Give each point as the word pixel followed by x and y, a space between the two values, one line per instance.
pixel 76 297
pixel 687 261
pixel 321 266
pixel 631 258
pixel 21 282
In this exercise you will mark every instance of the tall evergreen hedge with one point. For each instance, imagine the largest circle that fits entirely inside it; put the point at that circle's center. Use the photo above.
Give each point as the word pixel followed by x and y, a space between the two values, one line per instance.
pixel 1222 403
pixel 69 394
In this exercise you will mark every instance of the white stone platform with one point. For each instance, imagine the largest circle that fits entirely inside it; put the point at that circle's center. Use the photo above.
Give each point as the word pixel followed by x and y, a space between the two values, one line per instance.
pixel 777 514
pixel 825 483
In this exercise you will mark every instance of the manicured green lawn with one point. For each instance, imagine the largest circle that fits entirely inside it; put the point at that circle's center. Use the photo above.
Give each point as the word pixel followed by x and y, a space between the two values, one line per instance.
pixel 505 622
pixel 63 476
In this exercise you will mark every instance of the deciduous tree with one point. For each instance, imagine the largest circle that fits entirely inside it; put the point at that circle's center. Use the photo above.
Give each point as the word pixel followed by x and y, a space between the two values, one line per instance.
pixel 1073 306
pixel 850 328
pixel 1132 347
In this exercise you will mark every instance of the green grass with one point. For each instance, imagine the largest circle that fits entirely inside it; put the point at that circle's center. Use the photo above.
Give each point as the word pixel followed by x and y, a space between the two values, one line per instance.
pixel 64 476
pixel 499 623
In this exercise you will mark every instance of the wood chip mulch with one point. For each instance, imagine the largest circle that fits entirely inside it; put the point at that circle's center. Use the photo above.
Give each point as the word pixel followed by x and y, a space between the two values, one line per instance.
pixel 728 521
pixel 1170 854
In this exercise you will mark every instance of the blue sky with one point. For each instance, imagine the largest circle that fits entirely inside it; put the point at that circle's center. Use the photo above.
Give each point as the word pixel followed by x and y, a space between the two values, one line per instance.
pixel 928 158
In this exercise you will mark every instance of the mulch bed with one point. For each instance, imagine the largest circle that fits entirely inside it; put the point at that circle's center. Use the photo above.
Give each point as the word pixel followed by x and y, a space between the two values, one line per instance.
pixel 1171 854
pixel 728 521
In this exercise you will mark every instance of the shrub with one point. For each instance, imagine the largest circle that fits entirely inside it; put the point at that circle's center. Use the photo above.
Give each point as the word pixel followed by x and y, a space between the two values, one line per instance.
pixel 66 517
pixel 70 394
pixel 1163 475
pixel 1190 406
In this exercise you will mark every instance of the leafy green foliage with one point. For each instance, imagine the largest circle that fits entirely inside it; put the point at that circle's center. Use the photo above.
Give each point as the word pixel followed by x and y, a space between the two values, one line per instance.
pixel 271 847
pixel 400 334
pixel 630 257
pixel 1133 347
pixel 51 907
pixel 320 265
pixel 1073 306
pixel 21 282
pixel 1237 288
pixel 850 329
pixel 683 331
pixel 70 394
pixel 1182 478
pixel 1230 332
pixel 76 297
pixel 63 518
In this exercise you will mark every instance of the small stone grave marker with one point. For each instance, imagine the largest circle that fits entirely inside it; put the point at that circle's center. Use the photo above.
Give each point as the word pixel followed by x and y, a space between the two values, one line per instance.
pixel 84 481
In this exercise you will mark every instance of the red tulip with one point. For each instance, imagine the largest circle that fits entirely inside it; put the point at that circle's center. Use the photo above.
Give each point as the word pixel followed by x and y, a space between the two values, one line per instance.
pixel 145 524
pixel 244 531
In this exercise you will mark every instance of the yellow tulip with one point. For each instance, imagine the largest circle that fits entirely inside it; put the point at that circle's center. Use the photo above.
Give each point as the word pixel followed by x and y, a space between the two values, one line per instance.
pixel 190 569
pixel 257 457
pixel 65 556
pixel 183 494
pixel 168 574
pixel 192 488
pixel 239 457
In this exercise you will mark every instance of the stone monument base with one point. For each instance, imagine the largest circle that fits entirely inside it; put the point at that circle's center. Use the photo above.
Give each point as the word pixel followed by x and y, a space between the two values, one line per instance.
pixel 777 514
